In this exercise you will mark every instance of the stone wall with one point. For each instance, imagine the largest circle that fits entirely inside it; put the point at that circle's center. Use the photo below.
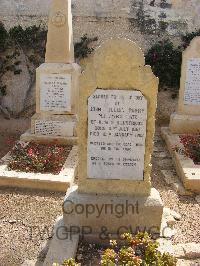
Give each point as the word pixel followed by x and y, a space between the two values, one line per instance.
pixel 143 21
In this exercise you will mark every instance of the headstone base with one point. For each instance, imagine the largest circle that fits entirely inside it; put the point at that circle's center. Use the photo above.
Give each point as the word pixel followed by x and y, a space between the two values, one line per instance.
pixel 108 216
pixel 54 125
pixel 184 124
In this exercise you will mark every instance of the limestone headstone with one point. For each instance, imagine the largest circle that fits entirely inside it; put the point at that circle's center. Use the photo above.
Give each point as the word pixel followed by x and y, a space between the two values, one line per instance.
pixel 117 105
pixel 116 121
pixel 187 118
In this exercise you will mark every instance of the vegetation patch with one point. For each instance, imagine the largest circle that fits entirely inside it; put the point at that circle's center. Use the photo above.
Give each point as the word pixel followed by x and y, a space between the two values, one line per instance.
pixel 191 145
pixel 165 61
pixel 38 158
pixel 83 48
pixel 139 250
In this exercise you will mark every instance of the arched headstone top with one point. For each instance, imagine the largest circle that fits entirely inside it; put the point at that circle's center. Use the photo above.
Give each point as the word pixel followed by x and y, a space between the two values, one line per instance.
pixel 119 51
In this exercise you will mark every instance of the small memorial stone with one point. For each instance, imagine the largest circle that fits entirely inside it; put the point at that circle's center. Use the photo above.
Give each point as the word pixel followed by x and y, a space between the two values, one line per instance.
pixel 54 128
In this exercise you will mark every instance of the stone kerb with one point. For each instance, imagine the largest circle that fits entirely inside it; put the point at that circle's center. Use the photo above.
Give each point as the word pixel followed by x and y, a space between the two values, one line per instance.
pixel 117 65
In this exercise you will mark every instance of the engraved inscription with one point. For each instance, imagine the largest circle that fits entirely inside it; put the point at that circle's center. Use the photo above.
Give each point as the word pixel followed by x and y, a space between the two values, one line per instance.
pixel 192 86
pixel 116 134
pixel 55 92
pixel 54 128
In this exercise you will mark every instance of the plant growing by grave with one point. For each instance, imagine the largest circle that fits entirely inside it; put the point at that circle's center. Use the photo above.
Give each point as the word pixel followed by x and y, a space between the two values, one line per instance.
pixel 83 48
pixel 137 250
pixel 38 158
pixel 165 61
pixel 191 147
pixel 31 38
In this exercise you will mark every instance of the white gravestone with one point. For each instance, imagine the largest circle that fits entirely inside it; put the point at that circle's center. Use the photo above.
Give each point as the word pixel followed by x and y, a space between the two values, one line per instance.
pixel 116 134
pixel 54 128
pixel 192 86
pixel 55 92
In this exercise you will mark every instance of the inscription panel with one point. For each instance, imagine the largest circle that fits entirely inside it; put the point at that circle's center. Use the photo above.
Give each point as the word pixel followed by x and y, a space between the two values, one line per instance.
pixel 116 134
pixel 54 128
pixel 192 86
pixel 55 92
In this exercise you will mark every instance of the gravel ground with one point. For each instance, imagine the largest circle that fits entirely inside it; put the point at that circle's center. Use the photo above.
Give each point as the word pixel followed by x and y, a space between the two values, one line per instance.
pixel 26 221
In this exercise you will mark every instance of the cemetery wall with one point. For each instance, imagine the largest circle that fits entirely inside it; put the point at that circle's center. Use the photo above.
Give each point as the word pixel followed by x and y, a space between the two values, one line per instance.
pixel 134 19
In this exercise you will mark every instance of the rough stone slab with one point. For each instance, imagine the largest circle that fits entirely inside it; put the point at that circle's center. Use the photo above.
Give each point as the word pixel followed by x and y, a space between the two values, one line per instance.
pixel 147 215
pixel 184 124
pixel 28 137
pixel 63 246
pixel 50 182
pixel 187 171
pixel 165 246
pixel 188 250
pixel 179 188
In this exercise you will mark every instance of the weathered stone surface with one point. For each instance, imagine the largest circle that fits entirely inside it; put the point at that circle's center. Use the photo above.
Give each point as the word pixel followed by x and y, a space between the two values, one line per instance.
pixel 122 214
pixel 188 251
pixel 179 188
pixel 165 246
pixel 184 124
pixel 63 246
pixel 117 64
pixel 17 87
pixel 59 48
pixel 176 215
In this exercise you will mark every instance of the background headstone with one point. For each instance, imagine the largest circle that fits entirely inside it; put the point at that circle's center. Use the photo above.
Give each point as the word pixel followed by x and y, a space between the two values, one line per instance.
pixel 57 82
pixel 187 117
